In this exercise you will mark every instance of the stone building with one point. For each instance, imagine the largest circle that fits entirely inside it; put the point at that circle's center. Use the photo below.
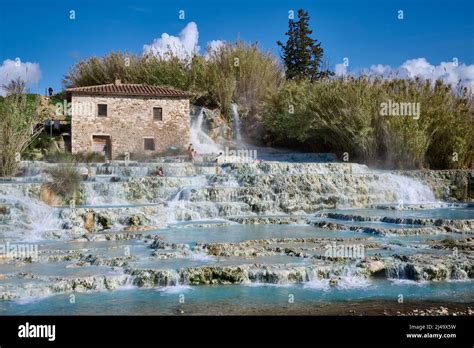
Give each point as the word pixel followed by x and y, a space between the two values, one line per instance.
pixel 119 118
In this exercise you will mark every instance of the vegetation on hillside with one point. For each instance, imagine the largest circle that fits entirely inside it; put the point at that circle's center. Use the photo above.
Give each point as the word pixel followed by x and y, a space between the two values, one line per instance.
pixel 344 116
pixel 311 110
pixel 237 72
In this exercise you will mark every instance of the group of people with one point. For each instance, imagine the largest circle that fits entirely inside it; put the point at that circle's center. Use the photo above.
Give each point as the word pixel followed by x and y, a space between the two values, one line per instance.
pixel 192 153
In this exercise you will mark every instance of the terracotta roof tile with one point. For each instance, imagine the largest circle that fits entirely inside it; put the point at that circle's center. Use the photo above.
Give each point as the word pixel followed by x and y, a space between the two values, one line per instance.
pixel 129 89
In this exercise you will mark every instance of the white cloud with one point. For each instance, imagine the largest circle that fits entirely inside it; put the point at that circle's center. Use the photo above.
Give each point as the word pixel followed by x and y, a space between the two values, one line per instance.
pixel 213 46
pixel 340 69
pixel 417 67
pixel 12 69
pixel 184 45
pixel 449 72
pixel 380 69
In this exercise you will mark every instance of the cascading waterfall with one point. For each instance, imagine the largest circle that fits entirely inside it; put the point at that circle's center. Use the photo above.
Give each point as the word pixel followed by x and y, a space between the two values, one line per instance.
pixel 28 217
pixel 177 203
pixel 177 212
pixel 207 197
pixel 236 122
pixel 409 191
pixel 202 142
pixel 104 193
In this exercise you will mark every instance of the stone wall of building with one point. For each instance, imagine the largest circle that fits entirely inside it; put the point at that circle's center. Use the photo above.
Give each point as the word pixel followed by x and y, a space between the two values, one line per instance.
pixel 129 120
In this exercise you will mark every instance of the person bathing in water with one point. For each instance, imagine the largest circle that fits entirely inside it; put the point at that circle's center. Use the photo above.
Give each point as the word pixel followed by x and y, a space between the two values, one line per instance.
pixel 190 151
pixel 193 155
pixel 160 172
pixel 218 160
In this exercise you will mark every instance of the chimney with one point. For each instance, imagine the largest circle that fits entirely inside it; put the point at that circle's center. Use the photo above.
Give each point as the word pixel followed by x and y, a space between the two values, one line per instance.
pixel 118 82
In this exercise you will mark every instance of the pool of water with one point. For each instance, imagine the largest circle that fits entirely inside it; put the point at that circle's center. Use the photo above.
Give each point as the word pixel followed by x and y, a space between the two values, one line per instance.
pixel 238 233
pixel 438 213
pixel 25 277
pixel 218 299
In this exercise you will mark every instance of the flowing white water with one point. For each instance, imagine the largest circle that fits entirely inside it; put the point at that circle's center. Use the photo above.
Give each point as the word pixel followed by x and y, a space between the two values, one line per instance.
pixel 410 191
pixel 202 142
pixel 236 122
pixel 177 203
pixel 104 194
pixel 29 217
pixel 403 190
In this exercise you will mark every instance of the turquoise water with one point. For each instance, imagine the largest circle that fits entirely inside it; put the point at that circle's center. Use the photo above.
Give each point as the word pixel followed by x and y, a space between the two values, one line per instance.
pixel 238 233
pixel 23 277
pixel 203 299
pixel 438 213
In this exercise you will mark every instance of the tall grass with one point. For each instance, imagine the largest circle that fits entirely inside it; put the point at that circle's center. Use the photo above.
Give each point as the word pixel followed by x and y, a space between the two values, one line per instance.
pixel 240 73
pixel 344 116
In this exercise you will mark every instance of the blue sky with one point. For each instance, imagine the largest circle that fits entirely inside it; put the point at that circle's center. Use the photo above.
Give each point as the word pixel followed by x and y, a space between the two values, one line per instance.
pixel 366 32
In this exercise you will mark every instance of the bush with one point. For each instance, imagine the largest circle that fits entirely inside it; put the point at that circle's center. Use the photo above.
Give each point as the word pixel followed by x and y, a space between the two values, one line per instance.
pixel 41 142
pixel 80 157
pixel 89 157
pixel 66 180
pixel 343 116
pixel 138 156
pixel 241 73
pixel 18 128
pixel 59 157
pixel 216 79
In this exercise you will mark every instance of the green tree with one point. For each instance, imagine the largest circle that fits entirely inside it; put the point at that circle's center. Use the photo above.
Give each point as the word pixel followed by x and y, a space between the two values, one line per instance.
pixel 302 55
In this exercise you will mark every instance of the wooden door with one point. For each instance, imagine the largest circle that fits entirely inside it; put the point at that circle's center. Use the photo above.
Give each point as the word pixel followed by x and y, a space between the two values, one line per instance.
pixel 102 144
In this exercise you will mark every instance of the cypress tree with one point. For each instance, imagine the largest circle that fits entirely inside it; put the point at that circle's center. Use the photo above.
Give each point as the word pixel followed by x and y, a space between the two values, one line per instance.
pixel 302 54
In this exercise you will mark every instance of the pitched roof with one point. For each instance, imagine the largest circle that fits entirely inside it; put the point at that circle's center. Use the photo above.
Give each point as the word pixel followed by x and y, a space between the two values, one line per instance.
pixel 129 89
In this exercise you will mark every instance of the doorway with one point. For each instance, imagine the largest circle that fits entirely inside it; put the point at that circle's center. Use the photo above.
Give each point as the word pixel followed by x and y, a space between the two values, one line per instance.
pixel 102 144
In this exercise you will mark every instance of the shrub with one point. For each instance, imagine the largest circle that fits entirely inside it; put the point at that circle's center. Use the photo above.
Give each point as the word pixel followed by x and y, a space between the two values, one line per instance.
pixel 59 157
pixel 138 156
pixel 89 157
pixel 18 128
pixel 65 180
pixel 343 115
pixel 216 79
pixel 81 157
